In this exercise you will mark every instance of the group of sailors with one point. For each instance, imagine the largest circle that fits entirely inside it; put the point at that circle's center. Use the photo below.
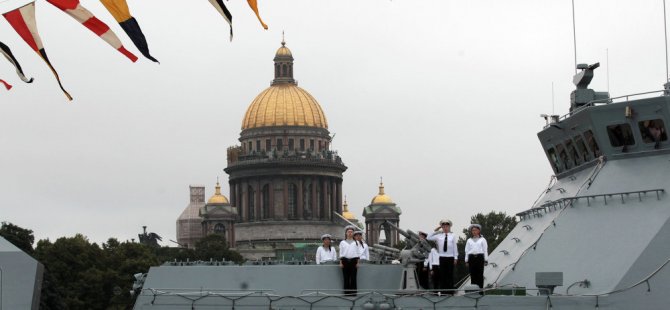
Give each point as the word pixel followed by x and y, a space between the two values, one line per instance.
pixel 436 272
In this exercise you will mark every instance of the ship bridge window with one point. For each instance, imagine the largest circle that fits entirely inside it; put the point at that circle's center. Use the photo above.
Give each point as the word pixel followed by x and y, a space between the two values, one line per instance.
pixel 620 135
pixel 583 152
pixel 553 159
pixel 592 143
pixel 653 131
pixel 572 153
pixel 563 156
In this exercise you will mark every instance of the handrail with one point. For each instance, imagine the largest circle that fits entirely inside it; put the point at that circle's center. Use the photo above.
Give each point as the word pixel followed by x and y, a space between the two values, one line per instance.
pixel 605 101
pixel 569 200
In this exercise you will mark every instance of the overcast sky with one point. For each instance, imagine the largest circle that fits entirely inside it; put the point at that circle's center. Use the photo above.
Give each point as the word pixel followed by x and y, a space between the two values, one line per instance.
pixel 441 98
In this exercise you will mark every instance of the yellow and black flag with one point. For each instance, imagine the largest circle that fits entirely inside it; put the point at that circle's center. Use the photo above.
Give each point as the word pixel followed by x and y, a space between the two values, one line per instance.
pixel 218 4
pixel 5 51
pixel 119 9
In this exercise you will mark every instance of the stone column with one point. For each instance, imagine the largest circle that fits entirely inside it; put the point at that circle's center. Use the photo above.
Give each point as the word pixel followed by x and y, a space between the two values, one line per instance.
pixel 315 205
pixel 285 191
pixel 271 194
pixel 299 202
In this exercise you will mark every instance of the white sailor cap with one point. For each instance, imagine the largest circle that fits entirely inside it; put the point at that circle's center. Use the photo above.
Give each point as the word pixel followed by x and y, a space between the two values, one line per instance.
pixel 324 236
pixel 358 232
pixel 352 227
pixel 475 225
pixel 445 221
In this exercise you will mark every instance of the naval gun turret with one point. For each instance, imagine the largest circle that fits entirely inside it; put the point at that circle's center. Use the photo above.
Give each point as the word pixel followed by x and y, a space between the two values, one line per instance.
pixel 415 251
pixel 583 95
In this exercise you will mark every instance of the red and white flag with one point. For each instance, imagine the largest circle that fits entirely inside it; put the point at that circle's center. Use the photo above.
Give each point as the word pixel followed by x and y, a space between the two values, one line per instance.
pixel 86 18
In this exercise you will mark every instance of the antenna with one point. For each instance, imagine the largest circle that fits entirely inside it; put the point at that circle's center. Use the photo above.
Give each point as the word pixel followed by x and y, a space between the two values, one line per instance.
pixel 552 98
pixel 607 56
pixel 665 32
pixel 574 33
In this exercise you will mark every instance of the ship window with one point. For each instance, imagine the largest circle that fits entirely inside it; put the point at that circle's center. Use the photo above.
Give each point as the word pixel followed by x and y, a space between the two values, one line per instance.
pixel 572 153
pixel 620 135
pixel 581 149
pixel 653 131
pixel 555 164
pixel 563 156
pixel 592 143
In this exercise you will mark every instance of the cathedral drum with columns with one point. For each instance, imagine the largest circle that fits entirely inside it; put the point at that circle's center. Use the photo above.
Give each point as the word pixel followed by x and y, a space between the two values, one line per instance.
pixel 285 181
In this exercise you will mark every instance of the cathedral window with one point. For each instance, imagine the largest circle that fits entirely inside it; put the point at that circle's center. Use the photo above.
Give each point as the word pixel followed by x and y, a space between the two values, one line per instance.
pixel 283 70
pixel 302 144
pixel 290 144
pixel 268 145
pixel 219 229
pixel 280 144
pixel 258 145
pixel 311 144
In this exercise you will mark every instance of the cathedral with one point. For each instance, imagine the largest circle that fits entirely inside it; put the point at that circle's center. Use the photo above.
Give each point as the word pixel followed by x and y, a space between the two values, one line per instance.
pixel 285 181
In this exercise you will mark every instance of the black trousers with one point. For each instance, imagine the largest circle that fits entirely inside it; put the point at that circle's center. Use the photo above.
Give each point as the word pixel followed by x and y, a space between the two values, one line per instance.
pixel 422 273
pixel 435 277
pixel 446 274
pixel 476 266
pixel 349 272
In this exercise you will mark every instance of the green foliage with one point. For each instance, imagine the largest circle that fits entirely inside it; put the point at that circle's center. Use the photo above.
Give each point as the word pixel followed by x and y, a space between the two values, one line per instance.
pixel 83 275
pixel 20 237
pixel 495 227
pixel 215 247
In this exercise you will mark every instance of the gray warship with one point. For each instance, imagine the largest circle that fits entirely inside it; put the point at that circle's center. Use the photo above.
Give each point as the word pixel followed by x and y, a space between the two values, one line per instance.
pixel 596 238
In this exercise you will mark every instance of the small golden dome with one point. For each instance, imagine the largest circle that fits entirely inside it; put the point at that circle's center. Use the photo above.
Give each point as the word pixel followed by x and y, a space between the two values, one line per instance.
pixel 284 105
pixel 346 214
pixel 283 51
pixel 218 198
pixel 381 197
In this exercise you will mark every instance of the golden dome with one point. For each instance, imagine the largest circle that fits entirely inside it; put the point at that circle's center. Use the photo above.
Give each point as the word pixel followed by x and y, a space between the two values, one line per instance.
pixel 284 105
pixel 283 51
pixel 381 197
pixel 218 197
pixel 346 214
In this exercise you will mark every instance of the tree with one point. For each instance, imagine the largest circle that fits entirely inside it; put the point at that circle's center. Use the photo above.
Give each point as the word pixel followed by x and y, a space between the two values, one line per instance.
pixel 495 227
pixel 20 237
pixel 214 247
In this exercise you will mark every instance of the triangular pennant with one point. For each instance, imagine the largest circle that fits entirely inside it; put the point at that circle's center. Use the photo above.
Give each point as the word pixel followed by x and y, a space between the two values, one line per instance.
pixel 6 84
pixel 86 18
pixel 218 4
pixel 23 22
pixel 4 50
pixel 254 6
pixel 119 9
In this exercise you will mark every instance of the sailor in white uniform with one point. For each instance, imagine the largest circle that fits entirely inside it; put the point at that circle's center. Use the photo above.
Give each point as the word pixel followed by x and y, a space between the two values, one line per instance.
pixel 326 253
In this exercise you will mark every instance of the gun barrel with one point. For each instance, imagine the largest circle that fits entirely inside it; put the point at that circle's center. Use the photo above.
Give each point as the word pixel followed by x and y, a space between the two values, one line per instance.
pixel 385 248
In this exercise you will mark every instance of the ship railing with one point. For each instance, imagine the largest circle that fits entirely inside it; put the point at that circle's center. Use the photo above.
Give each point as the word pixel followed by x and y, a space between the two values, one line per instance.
pixel 597 102
pixel 568 201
